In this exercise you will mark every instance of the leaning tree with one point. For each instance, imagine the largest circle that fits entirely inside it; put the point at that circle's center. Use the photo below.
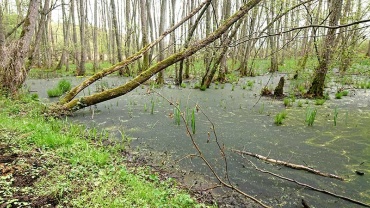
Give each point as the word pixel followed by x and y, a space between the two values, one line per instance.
pixel 70 103
pixel 15 63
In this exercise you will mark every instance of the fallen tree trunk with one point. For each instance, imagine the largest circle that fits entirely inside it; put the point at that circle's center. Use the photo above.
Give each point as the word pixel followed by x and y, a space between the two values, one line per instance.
pixel 287 164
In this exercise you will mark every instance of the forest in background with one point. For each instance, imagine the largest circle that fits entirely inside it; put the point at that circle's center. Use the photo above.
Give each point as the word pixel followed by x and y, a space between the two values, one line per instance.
pixel 305 38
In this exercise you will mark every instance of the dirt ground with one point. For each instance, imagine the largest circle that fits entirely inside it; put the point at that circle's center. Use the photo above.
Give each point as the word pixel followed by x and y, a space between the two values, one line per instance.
pixel 18 174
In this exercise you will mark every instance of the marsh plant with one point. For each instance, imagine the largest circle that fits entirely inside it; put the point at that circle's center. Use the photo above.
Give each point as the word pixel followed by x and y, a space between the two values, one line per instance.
pixel 280 117
pixel 345 92
pixel 310 116
pixel 62 87
pixel 177 114
pixel 288 102
pixel 299 103
pixel 152 108
pixel 262 108
pixel 193 121
pixel 320 101
pixel 335 116
pixel 338 95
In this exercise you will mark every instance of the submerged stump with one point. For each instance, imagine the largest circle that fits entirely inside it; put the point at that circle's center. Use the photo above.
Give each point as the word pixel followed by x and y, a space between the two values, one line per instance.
pixel 279 91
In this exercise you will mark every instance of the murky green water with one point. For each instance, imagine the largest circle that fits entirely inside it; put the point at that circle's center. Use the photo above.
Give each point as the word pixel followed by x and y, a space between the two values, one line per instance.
pixel 339 149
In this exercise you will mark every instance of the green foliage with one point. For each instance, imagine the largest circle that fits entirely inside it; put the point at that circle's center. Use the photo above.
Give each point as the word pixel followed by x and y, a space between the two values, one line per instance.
pixel 62 87
pixel 197 86
pixel 183 85
pixel 280 117
pixel 82 170
pixel 319 101
pixel 177 114
pixel 288 101
pixel 262 108
pixel 338 95
pixel 152 107
pixel 299 103
pixel 55 92
pixel 310 116
pixel 203 88
pixel 193 121
pixel 345 92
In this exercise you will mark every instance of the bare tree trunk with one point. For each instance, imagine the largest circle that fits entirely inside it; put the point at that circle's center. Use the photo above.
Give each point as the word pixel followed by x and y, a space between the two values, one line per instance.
pixel 160 78
pixel 95 37
pixel 76 57
pixel 128 35
pixel 144 34
pixel 66 25
pixel 116 34
pixel 2 33
pixel 14 69
pixel 81 68
pixel 317 85
pixel 272 39
pixel 189 36
pixel 76 104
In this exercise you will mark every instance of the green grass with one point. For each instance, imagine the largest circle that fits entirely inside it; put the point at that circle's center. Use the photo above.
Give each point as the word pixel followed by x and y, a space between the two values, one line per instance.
pixel 320 101
pixel 338 95
pixel 288 102
pixel 62 87
pixel 279 118
pixel 310 116
pixel 84 168
pixel 55 92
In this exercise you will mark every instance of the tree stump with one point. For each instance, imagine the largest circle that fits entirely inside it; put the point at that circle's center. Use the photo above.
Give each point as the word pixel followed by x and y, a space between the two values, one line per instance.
pixel 279 91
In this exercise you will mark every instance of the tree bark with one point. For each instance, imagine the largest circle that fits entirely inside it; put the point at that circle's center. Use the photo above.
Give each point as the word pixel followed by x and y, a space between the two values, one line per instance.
pixel 95 37
pixel 83 102
pixel 14 68
pixel 144 34
pixel 116 34
pixel 188 39
pixel 317 85
pixel 76 57
pixel 160 78
pixel 81 68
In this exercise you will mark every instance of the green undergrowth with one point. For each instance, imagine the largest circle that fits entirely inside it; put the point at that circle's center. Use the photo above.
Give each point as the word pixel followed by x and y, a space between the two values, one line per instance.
pixel 84 168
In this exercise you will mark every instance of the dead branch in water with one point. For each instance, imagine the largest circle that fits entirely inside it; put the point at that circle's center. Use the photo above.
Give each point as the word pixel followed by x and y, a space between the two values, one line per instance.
pixel 289 165
pixel 311 187
pixel 200 155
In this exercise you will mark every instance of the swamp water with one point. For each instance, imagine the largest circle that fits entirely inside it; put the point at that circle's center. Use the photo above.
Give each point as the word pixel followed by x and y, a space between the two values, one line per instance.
pixel 341 149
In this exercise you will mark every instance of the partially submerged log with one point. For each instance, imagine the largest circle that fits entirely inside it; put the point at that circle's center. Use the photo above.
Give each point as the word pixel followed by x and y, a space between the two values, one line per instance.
pixel 287 164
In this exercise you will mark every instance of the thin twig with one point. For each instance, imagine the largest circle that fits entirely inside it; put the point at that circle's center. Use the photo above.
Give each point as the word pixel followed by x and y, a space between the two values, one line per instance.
pixel 311 187
pixel 202 157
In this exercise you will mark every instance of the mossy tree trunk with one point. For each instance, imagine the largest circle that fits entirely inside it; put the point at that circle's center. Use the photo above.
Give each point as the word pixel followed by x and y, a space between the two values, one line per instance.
pixel 83 102
pixel 14 66
pixel 207 78
pixel 318 83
